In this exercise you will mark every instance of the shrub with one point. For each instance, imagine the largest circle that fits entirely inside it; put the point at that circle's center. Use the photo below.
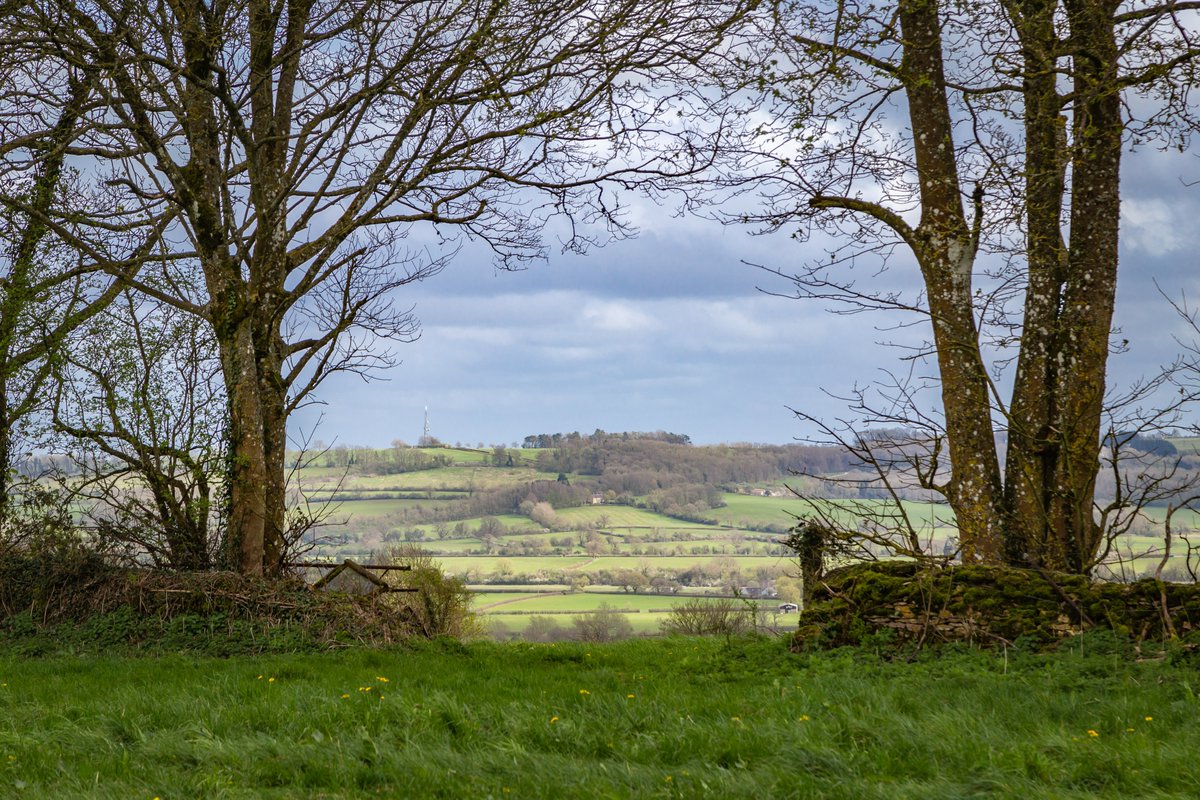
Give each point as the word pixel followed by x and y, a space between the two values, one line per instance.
pixel 440 604
pixel 602 625
pixel 707 616
pixel 545 629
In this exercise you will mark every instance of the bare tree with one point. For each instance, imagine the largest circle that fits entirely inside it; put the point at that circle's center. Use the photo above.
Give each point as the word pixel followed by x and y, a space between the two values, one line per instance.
pixel 298 144
pixel 953 131
pixel 139 394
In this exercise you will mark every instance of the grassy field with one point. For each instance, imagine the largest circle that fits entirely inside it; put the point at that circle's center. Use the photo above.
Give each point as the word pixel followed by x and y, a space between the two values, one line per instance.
pixel 676 563
pixel 543 602
pixel 505 613
pixel 446 478
pixel 520 565
pixel 533 565
pixel 611 517
pixel 512 626
pixel 660 718
pixel 742 509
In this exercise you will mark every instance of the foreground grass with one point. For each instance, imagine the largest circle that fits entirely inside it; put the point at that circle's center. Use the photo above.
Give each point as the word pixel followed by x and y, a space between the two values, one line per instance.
pixel 665 718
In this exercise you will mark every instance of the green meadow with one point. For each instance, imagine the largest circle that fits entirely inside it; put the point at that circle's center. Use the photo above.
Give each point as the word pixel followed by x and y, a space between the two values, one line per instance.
pixel 670 718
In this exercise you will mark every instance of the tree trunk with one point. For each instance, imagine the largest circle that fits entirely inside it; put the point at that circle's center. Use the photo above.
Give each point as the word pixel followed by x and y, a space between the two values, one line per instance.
pixel 1032 447
pixel 247 474
pixel 1091 289
pixel 1054 424
pixel 945 248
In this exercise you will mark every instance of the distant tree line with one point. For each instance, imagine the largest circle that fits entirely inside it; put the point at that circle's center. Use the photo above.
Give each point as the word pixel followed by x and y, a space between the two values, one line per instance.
pixel 541 441
pixel 639 466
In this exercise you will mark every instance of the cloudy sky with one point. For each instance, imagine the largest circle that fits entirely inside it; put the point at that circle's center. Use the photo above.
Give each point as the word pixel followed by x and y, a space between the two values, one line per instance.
pixel 672 331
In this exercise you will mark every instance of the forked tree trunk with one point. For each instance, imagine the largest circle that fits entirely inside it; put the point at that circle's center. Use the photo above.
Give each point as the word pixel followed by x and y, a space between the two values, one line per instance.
pixel 1054 423
pixel 1032 450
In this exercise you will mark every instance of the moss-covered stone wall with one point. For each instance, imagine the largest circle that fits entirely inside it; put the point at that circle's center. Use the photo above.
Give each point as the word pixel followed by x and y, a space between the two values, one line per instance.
pixel 988 605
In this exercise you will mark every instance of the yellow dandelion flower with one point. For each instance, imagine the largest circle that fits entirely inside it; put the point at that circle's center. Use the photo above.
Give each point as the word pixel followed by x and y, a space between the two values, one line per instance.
pixel 553 720
pixel 270 680
pixel 1148 719
pixel 381 679
pixel 584 691
pixel 1092 733
pixel 804 717
pixel 259 678
pixel 631 696
pixel 1129 730
pixel 668 779
pixel 345 696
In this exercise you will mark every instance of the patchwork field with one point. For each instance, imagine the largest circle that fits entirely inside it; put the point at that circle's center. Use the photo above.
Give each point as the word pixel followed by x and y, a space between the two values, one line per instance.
pixel 591 544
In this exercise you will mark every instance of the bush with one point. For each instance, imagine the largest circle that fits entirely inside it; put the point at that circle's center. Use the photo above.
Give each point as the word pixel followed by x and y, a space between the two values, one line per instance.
pixel 545 629
pixel 707 616
pixel 440 604
pixel 605 624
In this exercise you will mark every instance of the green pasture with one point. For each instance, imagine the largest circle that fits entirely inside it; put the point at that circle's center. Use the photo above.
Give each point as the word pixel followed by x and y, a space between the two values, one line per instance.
pixel 680 563
pixel 514 522
pixel 579 602
pixel 379 508
pixel 503 626
pixel 660 718
pixel 545 602
pixel 471 478
pixel 742 509
pixel 499 590
pixel 520 565
pixel 1185 520
pixel 634 547
pixel 440 546
pixel 535 565
pixel 482 602
pixel 383 492
pixel 615 516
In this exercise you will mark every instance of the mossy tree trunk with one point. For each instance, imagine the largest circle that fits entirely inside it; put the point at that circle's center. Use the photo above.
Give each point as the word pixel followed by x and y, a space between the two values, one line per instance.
pixel 1060 66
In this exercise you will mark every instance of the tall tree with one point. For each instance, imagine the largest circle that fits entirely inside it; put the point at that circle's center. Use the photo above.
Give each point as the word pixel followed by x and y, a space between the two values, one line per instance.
pixel 952 129
pixel 299 142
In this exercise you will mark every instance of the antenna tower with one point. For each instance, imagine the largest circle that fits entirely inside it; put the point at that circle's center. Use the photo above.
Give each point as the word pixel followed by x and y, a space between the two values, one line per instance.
pixel 425 438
